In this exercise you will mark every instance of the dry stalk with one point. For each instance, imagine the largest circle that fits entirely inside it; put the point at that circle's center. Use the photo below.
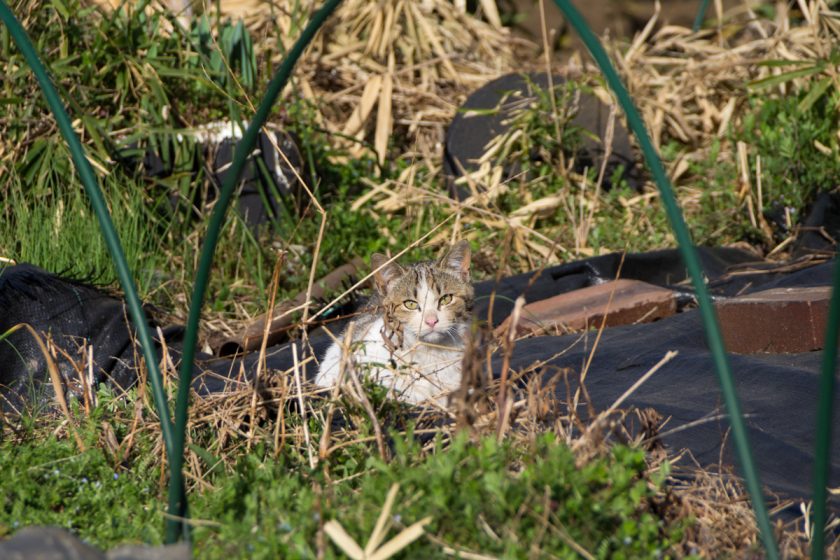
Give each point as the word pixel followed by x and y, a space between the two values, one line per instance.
pixel 548 71
pixel 78 367
pixel 275 282
pixel 509 343
pixel 127 442
pixel 312 461
pixel 596 425
pixel 586 366
pixel 324 445
pixel 87 381
pixel 280 423
pixel 373 550
pixel 362 397
pixel 55 378
pixel 373 272
pixel 609 136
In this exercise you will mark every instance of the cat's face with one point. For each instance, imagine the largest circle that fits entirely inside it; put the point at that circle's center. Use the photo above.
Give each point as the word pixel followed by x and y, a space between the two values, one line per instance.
pixel 432 301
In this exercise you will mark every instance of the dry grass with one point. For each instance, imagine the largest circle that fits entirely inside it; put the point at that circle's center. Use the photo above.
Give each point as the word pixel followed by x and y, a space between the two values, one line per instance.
pixel 376 69
pixel 689 87
pixel 239 417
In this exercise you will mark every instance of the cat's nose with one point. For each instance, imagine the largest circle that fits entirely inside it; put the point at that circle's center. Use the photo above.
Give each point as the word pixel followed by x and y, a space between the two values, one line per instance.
pixel 431 319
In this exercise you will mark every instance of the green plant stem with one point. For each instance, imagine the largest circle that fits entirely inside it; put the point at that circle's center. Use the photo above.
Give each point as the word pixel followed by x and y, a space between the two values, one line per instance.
pixel 692 262
pixel 825 419
pixel 701 15
pixel 177 496
pixel 100 208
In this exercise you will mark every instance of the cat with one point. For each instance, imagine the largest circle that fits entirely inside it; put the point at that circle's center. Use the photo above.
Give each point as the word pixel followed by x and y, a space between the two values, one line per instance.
pixel 413 341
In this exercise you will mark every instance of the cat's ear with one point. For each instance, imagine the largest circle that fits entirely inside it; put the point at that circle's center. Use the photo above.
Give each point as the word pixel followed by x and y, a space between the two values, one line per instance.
pixel 457 260
pixel 386 274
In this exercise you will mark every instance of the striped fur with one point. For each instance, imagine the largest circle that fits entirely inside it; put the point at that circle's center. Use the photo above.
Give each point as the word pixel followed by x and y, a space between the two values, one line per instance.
pixel 413 342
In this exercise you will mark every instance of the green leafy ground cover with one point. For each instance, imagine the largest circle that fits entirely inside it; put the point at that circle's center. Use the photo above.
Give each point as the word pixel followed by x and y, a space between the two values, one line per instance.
pixel 513 499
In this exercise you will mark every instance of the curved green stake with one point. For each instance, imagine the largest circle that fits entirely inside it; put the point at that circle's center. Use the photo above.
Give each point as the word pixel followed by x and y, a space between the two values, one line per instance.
pixel 177 501
pixel 100 208
pixel 692 262
pixel 701 15
pixel 825 419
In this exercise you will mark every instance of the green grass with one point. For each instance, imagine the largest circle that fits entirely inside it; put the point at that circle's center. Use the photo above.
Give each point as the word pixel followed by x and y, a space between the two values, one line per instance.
pixel 512 499
pixel 136 86
pixel 61 233
pixel 784 137
pixel 50 482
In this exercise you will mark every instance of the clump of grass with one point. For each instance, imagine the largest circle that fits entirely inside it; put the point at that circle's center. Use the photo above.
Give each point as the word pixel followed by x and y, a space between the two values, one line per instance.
pixel 548 486
pixel 55 230
pixel 138 81
pixel 129 78
pixel 492 498
pixel 794 149
pixel 516 497
pixel 51 482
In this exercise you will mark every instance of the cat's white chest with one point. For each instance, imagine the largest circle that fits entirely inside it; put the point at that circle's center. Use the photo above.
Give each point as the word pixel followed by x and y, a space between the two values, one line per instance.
pixel 416 373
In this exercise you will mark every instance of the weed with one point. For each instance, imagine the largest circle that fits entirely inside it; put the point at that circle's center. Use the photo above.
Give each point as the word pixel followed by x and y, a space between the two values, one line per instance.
pixel 798 148
pixel 49 482
pixel 511 499
pixel 137 79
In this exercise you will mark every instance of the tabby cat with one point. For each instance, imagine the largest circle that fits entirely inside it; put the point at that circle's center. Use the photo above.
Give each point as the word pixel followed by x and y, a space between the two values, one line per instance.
pixel 413 341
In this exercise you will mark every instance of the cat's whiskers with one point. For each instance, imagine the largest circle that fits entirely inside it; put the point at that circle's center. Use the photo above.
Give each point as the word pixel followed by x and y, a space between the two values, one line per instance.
pixel 440 346
pixel 451 332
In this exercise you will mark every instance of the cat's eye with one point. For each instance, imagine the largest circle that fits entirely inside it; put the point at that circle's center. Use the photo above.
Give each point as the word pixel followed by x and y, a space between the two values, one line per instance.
pixel 410 304
pixel 445 299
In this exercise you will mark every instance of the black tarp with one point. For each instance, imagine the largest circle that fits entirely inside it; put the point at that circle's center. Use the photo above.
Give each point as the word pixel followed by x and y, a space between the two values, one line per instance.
pixel 488 111
pixel 72 315
pixel 778 393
